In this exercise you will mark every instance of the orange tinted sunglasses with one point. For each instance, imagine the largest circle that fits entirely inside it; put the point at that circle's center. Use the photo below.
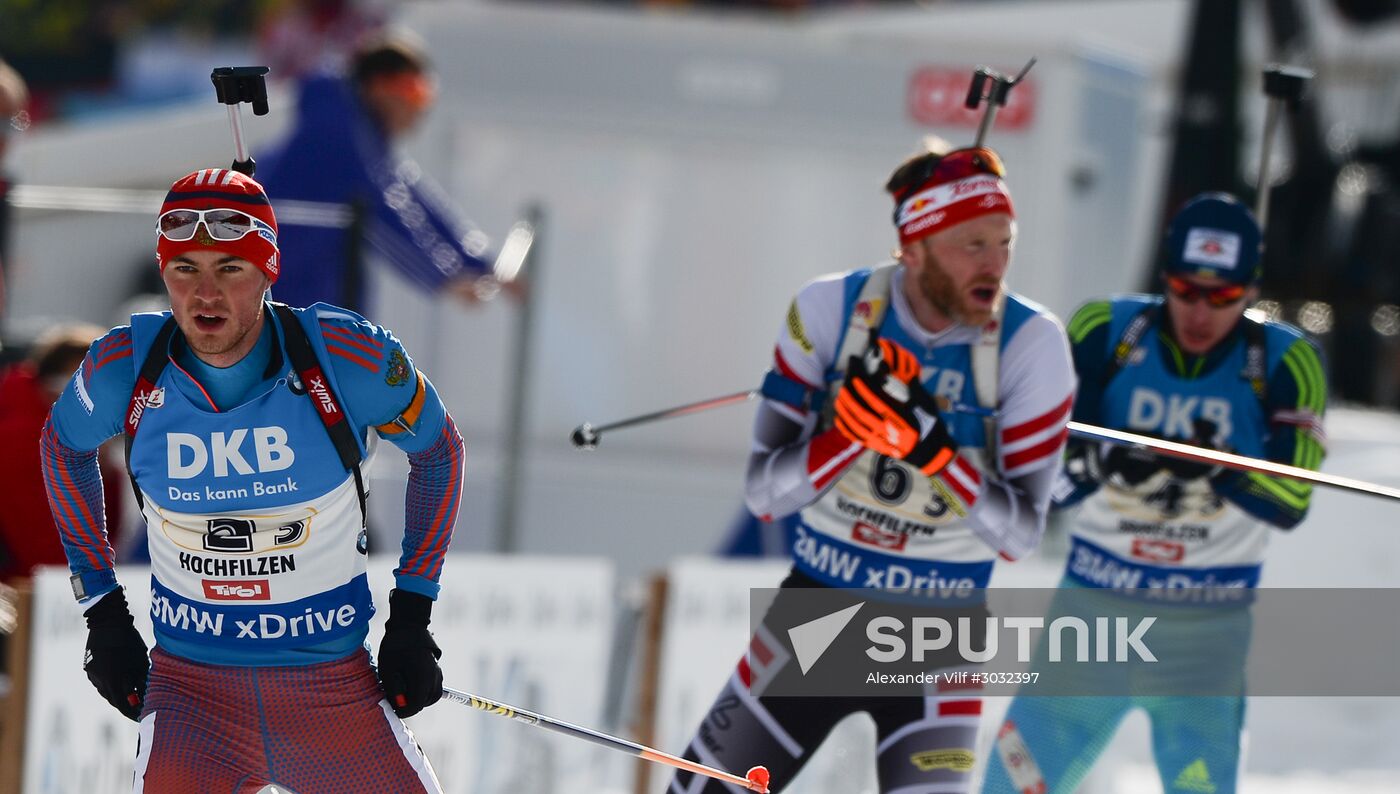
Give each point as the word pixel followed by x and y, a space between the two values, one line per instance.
pixel 1216 296
pixel 415 88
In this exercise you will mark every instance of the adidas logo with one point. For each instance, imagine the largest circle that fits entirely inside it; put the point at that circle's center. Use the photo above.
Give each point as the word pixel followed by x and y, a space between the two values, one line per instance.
pixel 1195 777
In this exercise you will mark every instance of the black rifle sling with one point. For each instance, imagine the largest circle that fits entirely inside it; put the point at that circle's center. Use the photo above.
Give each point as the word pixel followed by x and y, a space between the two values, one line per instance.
pixel 1127 343
pixel 328 406
pixel 1255 367
pixel 156 359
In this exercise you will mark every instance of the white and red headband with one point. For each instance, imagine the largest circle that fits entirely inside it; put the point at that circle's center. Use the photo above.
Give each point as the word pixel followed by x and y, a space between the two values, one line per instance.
pixel 935 206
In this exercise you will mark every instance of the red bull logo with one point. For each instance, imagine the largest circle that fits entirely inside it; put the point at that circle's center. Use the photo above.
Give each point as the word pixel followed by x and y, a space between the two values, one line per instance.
pixel 867 310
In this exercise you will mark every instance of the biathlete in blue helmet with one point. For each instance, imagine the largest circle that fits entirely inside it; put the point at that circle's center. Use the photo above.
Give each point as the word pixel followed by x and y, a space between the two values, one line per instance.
pixel 1191 365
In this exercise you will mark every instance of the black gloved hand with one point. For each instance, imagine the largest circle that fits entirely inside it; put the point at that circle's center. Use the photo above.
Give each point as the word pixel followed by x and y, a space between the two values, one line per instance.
pixel 1204 435
pixel 115 660
pixel 1183 469
pixel 1082 464
pixel 408 669
pixel 1128 465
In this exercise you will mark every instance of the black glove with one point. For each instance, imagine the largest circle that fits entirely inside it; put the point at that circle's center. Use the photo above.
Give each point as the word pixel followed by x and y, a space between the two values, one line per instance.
pixel 894 418
pixel 1128 465
pixel 116 661
pixel 1183 469
pixel 1203 436
pixel 408 668
pixel 1082 465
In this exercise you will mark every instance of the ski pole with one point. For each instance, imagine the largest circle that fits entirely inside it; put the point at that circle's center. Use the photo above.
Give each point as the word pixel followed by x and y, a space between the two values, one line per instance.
pixel 587 436
pixel 755 780
pixel 1229 459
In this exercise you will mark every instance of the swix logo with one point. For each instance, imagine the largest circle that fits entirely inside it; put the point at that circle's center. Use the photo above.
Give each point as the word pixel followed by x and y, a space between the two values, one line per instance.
pixel 154 398
pixel 316 384
pixel 323 395
pixel 862 532
pixel 188 455
pixel 246 590
pixel 1158 550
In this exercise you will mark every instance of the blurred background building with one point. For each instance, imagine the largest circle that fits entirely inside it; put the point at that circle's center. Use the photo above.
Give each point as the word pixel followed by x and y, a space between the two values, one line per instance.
pixel 695 163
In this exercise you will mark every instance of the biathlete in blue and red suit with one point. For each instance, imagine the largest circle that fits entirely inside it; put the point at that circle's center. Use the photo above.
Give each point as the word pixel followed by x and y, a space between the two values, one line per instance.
pixel 917 493
pixel 246 424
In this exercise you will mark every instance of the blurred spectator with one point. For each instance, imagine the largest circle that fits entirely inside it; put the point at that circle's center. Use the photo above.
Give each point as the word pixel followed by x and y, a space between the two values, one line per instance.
pixel 14 99
pixel 300 37
pixel 340 151
pixel 28 537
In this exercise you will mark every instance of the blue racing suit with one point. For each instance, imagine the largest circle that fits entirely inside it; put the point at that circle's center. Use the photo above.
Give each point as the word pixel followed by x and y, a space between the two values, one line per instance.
pixel 1261 392
pixel 256 531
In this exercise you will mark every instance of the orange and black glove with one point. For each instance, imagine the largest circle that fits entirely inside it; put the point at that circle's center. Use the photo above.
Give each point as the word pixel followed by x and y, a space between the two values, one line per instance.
pixel 894 417
pixel 903 365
